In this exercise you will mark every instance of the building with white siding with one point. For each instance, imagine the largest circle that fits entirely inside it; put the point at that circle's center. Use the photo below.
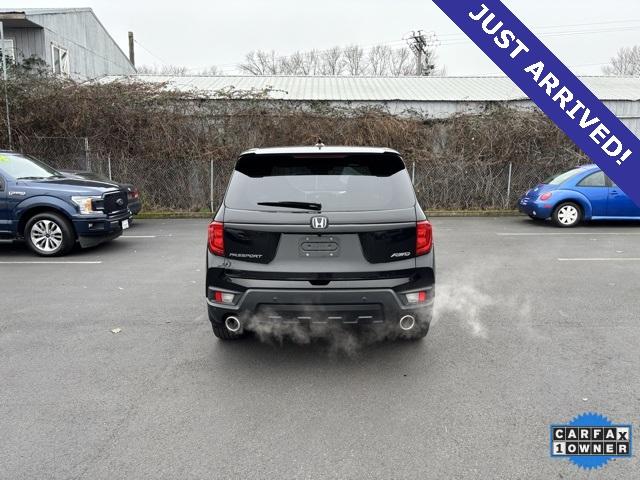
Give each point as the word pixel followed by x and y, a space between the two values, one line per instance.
pixel 71 41
pixel 435 97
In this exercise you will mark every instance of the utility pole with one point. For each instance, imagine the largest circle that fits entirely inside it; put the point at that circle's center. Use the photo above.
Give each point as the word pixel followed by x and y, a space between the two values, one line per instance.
pixel 4 81
pixel 420 43
pixel 132 53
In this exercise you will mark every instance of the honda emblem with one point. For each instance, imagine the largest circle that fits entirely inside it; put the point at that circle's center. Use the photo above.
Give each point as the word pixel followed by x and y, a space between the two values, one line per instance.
pixel 319 223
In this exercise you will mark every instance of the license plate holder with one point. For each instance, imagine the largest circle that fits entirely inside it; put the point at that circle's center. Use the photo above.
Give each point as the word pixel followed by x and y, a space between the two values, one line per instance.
pixel 319 246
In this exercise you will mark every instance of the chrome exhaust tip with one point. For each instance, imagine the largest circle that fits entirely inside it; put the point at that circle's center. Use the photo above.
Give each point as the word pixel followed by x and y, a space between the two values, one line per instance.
pixel 233 324
pixel 407 322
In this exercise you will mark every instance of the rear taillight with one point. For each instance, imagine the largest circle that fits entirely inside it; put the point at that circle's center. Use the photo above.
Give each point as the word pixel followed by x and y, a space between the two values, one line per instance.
pixel 424 238
pixel 216 238
pixel 223 297
pixel 416 297
pixel 545 196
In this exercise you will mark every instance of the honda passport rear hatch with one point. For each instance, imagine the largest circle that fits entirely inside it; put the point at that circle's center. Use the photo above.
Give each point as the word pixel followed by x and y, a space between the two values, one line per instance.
pixel 320 236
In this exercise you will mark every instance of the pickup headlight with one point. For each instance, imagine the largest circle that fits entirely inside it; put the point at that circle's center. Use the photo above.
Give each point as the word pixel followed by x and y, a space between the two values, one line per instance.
pixel 85 204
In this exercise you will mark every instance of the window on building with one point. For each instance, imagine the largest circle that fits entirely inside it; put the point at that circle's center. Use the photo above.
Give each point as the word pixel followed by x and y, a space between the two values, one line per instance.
pixel 59 60
pixel 9 48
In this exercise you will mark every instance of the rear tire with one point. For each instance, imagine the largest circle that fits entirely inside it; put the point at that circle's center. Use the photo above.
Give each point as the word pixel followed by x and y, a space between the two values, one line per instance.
pixel 49 234
pixel 567 215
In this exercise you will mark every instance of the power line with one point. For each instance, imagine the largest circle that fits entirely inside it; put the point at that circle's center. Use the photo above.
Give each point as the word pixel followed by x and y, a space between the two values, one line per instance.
pixel 149 52
pixel 452 36
pixel 420 44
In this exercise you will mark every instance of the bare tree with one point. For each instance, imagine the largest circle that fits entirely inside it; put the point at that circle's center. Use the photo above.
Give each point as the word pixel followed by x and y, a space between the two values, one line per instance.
pixel 211 70
pixel 354 61
pixel 310 63
pixel 260 62
pixel 402 62
pixel 173 70
pixel 332 62
pixel 291 65
pixel 379 60
pixel 625 63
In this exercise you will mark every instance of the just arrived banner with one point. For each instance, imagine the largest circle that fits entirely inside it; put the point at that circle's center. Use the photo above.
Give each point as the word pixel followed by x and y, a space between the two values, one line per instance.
pixel 552 87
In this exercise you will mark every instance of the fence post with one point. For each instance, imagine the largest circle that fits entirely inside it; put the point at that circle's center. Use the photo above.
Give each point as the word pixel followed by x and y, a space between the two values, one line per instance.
pixel 211 185
pixel 109 165
pixel 87 160
pixel 4 81
pixel 413 173
pixel 509 185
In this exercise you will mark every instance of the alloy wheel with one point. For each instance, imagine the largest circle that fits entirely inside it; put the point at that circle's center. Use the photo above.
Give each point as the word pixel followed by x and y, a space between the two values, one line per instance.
pixel 46 236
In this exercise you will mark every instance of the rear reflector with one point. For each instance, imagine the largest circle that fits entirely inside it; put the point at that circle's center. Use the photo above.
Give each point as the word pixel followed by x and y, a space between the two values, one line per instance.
pixel 216 238
pixel 424 238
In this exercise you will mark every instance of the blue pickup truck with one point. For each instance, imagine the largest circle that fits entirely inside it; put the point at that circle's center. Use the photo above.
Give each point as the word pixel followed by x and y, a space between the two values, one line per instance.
pixel 52 212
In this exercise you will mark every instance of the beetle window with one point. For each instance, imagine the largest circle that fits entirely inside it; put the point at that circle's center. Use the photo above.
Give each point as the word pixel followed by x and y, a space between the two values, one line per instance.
pixel 594 180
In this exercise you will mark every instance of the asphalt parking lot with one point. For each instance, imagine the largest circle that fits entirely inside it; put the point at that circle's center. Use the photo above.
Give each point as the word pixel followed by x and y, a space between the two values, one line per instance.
pixel 534 326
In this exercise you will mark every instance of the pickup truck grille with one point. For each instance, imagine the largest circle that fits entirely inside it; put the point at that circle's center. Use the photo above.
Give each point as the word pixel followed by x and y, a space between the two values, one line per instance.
pixel 115 202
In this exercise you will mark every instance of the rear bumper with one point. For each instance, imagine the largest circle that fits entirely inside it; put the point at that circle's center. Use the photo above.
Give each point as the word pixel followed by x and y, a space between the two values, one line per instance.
pixel 534 208
pixel 346 306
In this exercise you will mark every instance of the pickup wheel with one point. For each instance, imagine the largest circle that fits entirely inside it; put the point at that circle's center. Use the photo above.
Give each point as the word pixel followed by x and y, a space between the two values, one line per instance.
pixel 49 234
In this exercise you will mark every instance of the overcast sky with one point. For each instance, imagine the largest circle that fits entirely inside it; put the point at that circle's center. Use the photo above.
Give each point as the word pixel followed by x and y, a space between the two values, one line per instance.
pixel 196 34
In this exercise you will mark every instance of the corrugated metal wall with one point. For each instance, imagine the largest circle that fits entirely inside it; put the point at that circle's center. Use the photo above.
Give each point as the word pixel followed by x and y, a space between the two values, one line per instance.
pixel 27 42
pixel 92 52
pixel 627 111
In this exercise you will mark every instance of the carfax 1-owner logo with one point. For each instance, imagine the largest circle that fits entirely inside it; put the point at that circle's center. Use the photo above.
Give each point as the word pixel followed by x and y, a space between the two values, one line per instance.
pixel 591 440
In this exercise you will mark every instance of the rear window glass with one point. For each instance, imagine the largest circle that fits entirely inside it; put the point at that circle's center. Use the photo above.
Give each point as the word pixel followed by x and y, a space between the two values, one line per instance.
pixel 337 182
pixel 563 177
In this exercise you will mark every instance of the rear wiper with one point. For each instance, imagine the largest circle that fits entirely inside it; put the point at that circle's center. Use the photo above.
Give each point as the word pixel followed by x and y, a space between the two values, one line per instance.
pixel 302 205
pixel 32 178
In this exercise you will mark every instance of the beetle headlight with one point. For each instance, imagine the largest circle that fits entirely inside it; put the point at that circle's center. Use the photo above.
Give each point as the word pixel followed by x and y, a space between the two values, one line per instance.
pixel 85 204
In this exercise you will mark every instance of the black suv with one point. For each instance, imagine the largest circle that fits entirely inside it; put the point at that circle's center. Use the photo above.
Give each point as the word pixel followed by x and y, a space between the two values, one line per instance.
pixel 312 236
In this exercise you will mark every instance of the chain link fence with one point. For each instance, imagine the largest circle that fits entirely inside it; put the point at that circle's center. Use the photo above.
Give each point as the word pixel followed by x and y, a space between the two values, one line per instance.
pixel 473 185
pixel 198 184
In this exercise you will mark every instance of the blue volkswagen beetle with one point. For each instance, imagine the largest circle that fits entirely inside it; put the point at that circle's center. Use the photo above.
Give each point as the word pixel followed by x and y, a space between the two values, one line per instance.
pixel 584 193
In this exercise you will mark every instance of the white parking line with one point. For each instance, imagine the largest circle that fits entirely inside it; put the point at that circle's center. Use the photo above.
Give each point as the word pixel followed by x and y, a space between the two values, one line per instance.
pixel 612 259
pixel 542 234
pixel 50 262
pixel 138 236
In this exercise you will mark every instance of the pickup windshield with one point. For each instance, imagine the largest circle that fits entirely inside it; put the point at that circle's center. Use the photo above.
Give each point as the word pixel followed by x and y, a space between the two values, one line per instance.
pixel 348 182
pixel 23 167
